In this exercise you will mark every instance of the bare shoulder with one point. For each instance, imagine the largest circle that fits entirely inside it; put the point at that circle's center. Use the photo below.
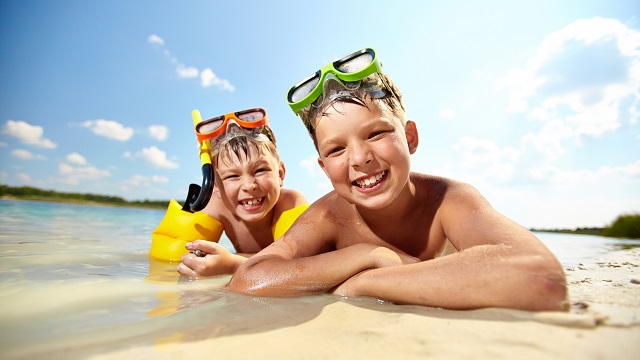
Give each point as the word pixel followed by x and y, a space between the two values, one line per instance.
pixel 468 219
pixel 328 208
pixel 215 208
pixel 322 217
pixel 290 198
pixel 447 191
pixel 315 230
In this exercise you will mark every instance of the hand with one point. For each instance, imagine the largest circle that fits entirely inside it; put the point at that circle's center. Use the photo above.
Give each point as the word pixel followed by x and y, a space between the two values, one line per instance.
pixel 385 257
pixel 382 257
pixel 348 287
pixel 216 260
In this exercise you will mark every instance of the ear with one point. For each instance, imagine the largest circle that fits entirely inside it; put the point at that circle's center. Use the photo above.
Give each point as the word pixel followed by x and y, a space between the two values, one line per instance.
pixel 216 188
pixel 321 163
pixel 281 172
pixel 411 132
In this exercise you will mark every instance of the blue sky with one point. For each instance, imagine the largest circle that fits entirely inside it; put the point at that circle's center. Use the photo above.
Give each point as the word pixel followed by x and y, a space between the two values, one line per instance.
pixel 536 103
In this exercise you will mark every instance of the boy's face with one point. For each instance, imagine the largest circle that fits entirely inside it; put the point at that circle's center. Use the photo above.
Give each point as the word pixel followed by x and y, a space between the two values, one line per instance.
pixel 250 186
pixel 365 152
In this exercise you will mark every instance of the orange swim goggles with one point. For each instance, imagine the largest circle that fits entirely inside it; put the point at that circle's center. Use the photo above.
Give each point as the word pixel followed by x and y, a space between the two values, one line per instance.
pixel 216 126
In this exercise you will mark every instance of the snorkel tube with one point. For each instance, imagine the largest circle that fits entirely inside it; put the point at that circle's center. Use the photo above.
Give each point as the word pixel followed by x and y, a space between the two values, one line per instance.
pixel 182 224
pixel 199 196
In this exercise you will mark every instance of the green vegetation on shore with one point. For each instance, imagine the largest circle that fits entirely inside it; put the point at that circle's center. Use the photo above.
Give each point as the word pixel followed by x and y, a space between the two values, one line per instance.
pixel 584 231
pixel 31 193
pixel 624 226
pixel 627 225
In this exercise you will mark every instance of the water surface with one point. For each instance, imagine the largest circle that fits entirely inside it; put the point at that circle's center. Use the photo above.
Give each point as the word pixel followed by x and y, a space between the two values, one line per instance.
pixel 76 279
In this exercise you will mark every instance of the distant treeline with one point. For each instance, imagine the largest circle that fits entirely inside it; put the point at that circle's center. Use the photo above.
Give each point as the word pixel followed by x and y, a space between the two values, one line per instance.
pixel 31 193
pixel 586 231
pixel 624 226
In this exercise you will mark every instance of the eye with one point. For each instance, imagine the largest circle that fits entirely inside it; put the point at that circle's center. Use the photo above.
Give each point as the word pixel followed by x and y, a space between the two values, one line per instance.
pixel 230 177
pixel 335 151
pixel 377 133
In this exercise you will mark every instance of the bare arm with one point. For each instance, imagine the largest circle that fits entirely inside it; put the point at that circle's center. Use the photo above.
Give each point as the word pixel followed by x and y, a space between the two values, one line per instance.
pixel 304 261
pixel 217 261
pixel 500 264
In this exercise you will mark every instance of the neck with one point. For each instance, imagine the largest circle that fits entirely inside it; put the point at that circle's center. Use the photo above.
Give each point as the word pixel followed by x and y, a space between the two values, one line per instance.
pixel 398 209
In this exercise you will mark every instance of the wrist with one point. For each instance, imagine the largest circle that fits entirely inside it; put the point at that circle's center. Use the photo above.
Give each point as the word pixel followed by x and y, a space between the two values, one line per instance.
pixel 235 262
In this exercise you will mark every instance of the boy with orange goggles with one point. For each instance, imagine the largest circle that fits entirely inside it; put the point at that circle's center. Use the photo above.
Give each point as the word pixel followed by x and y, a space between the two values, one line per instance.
pixel 248 199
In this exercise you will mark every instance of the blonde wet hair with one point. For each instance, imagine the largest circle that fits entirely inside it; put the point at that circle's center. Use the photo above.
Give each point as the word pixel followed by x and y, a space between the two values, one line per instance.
pixel 241 145
pixel 391 101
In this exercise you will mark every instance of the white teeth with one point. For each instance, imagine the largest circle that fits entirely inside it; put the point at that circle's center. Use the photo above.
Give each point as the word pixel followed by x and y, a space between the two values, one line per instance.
pixel 251 202
pixel 369 182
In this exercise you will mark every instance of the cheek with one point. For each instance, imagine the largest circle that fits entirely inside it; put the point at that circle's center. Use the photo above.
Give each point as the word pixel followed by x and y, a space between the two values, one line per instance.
pixel 229 188
pixel 334 168
pixel 272 180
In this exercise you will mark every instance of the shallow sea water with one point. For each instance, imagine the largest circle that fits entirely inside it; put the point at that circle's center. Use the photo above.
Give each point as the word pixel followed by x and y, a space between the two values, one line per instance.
pixel 76 280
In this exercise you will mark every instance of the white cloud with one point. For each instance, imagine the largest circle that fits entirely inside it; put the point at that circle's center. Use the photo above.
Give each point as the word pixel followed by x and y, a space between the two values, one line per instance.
pixel 26 155
pixel 447 113
pixel 549 139
pixel 483 159
pixel 3 144
pixel 310 164
pixel 27 134
pixel 76 158
pixel 153 156
pixel 187 72
pixel 556 175
pixel 159 132
pixel 72 175
pixel 583 81
pixel 155 39
pixel 25 178
pixel 207 77
pixel 142 180
pixel 109 129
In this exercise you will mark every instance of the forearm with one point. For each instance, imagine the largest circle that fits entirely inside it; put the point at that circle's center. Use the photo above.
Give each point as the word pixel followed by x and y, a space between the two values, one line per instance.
pixel 273 275
pixel 482 276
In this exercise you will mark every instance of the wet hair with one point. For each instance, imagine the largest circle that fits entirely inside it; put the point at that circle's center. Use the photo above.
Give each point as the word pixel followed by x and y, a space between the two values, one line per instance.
pixel 241 147
pixel 391 101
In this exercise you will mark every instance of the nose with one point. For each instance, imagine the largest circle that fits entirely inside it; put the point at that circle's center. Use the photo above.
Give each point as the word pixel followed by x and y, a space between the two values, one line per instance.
pixel 360 155
pixel 249 183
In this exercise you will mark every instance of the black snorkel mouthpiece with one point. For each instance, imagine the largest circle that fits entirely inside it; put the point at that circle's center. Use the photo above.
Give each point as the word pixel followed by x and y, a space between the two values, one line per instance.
pixel 199 196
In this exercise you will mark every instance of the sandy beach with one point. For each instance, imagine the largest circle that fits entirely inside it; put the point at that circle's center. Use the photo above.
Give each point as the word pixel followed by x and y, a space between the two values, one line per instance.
pixel 604 323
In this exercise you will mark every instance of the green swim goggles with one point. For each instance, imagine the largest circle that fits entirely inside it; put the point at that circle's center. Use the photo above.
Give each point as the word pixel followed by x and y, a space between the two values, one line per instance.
pixel 348 70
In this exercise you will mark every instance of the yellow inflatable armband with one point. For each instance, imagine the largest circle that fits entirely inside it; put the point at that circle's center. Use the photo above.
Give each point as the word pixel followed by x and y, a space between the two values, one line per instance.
pixel 179 227
pixel 286 220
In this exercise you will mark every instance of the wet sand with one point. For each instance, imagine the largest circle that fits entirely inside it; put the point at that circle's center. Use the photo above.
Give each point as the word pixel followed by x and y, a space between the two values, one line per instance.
pixel 604 323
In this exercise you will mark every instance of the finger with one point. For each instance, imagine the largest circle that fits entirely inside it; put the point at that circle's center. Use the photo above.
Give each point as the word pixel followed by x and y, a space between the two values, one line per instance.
pixel 192 261
pixel 208 247
pixel 185 270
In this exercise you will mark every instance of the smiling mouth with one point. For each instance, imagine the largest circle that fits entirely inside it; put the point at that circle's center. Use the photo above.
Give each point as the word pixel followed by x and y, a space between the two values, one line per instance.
pixel 251 202
pixel 371 181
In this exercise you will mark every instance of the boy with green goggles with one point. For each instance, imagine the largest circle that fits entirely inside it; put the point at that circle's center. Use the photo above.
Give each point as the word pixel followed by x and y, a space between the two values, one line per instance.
pixel 389 233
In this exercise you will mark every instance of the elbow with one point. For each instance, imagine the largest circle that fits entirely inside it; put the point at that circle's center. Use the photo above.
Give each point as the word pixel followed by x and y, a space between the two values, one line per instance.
pixel 242 282
pixel 550 290
pixel 255 278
